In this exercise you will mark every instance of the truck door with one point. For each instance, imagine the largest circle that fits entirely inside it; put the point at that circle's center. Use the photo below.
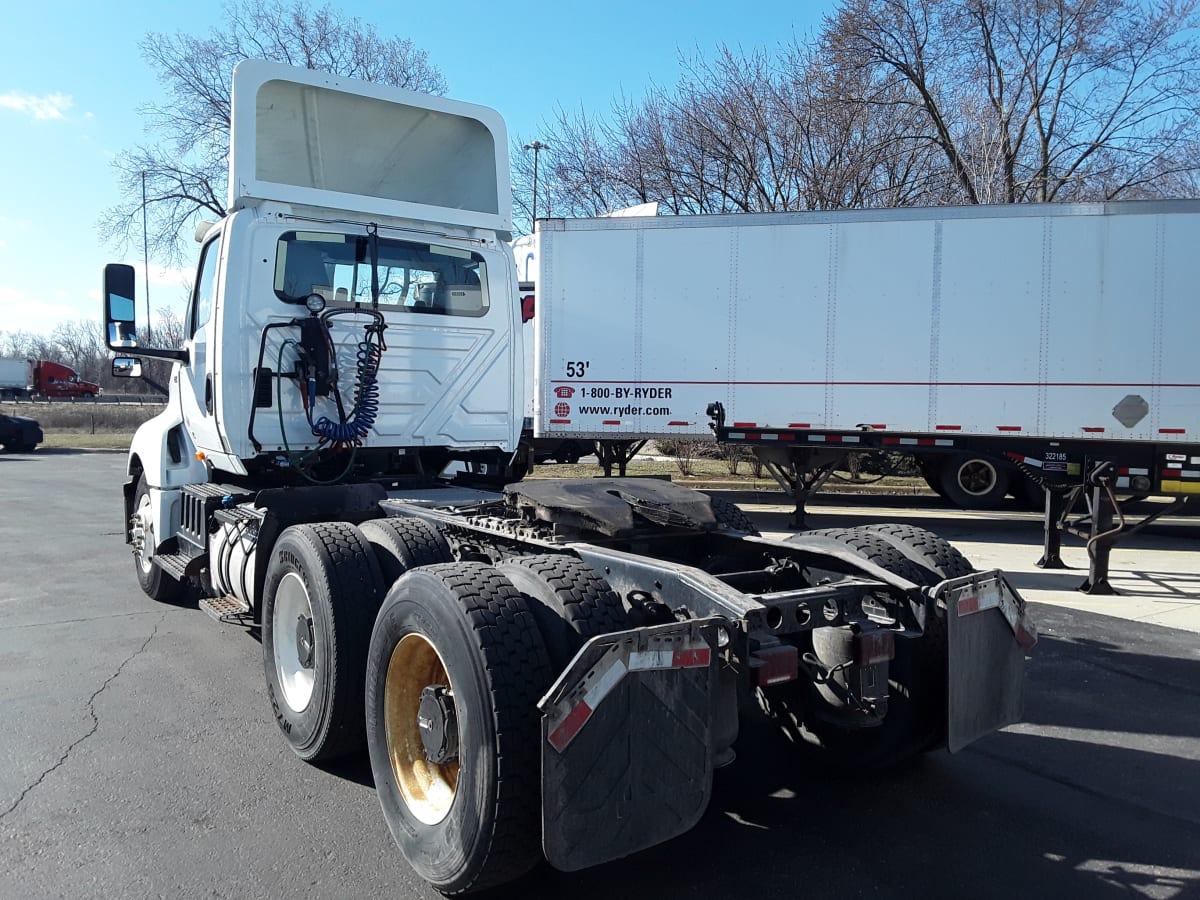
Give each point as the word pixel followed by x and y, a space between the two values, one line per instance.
pixel 198 386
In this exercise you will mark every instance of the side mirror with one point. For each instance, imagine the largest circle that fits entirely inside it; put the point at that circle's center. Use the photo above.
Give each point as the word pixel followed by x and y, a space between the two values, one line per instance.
pixel 127 367
pixel 119 306
pixel 119 318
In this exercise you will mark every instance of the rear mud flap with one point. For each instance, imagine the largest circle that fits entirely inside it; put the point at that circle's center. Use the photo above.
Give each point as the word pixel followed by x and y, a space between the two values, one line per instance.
pixel 627 743
pixel 989 635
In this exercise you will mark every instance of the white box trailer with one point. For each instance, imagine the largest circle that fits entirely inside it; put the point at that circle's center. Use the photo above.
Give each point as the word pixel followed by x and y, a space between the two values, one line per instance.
pixel 998 320
pixel 993 342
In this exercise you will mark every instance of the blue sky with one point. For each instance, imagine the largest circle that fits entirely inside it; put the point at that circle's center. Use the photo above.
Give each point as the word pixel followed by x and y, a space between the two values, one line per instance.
pixel 72 78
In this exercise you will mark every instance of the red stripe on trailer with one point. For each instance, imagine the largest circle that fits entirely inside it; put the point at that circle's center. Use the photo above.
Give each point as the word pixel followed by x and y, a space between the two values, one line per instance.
pixel 947 427
pixel 1123 471
pixel 560 421
pixel 1017 456
pixel 566 731
pixel 1172 431
pixel 745 424
pixel 1093 430
pixel 691 659
pixel 1173 474
pixel 611 422
pixel 878 427
pixel 753 436
pixel 669 424
pixel 799 425
pixel 891 440
pixel 784 436
pixel 968 605
pixel 1008 427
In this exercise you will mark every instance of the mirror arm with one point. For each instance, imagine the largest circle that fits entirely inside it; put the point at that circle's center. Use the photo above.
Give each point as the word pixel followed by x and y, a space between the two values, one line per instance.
pixel 155 353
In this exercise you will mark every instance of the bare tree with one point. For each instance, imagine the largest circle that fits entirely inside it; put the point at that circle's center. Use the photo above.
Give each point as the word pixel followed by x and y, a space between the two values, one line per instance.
pixel 1037 100
pixel 185 168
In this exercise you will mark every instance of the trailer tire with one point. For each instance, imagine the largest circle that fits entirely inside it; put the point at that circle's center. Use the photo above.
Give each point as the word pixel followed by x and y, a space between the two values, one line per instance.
pixel 321 594
pixel 157 584
pixel 462 626
pixel 731 515
pixel 568 600
pixel 401 544
pixel 568 453
pixel 916 679
pixel 974 482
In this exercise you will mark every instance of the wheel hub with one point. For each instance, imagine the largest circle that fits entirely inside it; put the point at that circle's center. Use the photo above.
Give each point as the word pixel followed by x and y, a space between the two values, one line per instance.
pixel 304 641
pixel 438 721
pixel 421 727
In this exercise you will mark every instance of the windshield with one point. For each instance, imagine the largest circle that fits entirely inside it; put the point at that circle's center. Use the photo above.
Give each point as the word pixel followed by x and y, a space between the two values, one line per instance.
pixel 416 277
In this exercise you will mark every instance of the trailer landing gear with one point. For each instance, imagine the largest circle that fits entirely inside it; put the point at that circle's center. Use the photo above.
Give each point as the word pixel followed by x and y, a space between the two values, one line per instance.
pixel 1102 526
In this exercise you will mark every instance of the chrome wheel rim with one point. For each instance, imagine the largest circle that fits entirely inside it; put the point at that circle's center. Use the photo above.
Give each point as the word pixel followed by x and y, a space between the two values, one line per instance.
pixel 143 535
pixel 296 680
pixel 428 788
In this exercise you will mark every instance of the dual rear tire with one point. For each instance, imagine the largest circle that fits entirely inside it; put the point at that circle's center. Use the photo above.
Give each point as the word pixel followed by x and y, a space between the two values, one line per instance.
pixel 449 664
pixel 916 674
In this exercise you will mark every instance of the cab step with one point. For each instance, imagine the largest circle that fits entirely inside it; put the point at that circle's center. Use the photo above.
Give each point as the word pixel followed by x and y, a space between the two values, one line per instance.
pixel 228 610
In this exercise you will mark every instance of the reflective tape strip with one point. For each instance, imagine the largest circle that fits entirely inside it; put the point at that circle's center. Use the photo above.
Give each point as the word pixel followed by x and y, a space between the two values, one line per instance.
pixel 569 727
pixel 687 658
pixel 609 671
pixel 993 596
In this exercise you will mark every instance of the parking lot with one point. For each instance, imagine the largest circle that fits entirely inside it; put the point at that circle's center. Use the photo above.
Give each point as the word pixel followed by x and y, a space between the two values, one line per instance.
pixel 139 757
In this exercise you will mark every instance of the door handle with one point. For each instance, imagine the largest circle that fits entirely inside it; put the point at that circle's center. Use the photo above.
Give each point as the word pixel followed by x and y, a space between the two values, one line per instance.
pixel 208 394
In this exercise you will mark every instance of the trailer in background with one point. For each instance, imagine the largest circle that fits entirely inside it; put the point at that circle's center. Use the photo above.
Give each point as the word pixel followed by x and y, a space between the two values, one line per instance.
pixel 1050 342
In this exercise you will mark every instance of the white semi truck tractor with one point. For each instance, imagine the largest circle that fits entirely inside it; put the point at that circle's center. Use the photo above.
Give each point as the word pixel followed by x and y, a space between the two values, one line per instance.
pixel 532 666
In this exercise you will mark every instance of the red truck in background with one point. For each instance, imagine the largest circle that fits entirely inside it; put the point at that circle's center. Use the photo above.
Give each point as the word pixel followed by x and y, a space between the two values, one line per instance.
pixel 21 379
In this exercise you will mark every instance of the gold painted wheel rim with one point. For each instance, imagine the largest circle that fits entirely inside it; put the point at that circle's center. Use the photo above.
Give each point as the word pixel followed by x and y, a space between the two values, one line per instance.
pixel 428 788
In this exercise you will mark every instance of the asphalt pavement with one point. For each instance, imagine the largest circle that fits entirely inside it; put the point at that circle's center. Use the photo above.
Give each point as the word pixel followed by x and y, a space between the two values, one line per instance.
pixel 139 758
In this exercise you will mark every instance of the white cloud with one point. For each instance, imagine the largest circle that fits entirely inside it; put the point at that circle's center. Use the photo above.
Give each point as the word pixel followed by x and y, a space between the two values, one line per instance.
pixel 50 106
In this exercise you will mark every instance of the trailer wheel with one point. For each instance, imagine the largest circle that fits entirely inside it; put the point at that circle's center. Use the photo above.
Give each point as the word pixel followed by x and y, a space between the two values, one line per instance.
pixel 156 583
pixel 321 594
pixel 974 482
pixel 568 453
pixel 731 515
pixel 454 672
pixel 569 602
pixel 401 544
pixel 916 680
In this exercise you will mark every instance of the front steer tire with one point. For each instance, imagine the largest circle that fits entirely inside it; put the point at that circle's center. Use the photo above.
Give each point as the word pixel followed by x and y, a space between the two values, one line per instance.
pixel 470 821
pixel 155 583
pixel 327 574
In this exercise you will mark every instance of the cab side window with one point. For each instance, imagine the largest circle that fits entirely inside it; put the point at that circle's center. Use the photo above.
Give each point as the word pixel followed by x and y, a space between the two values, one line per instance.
pixel 206 286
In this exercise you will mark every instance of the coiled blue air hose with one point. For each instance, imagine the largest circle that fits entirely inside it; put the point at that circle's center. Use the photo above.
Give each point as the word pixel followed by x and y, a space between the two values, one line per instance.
pixel 366 394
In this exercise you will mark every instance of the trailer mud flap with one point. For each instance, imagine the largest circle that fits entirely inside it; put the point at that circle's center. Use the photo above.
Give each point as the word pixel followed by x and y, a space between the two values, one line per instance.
pixel 627 743
pixel 989 634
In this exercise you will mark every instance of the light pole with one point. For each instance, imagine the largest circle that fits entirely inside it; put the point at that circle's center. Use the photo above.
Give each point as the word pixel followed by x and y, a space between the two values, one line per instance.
pixel 146 257
pixel 537 147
